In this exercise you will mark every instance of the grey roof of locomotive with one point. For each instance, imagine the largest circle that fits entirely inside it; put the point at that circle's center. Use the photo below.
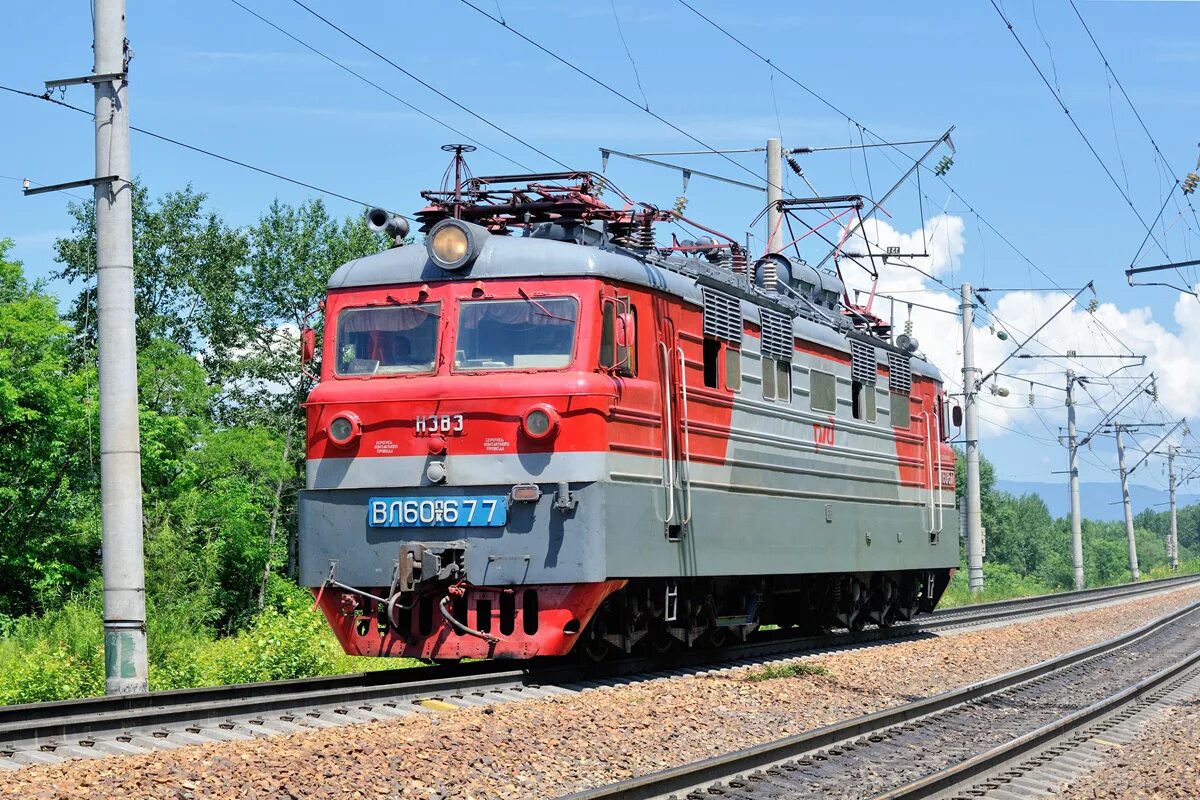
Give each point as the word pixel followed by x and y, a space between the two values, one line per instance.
pixel 537 257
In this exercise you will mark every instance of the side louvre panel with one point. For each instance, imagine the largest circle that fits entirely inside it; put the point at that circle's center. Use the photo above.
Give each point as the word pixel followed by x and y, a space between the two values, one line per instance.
pixel 899 373
pixel 722 316
pixel 778 341
pixel 862 362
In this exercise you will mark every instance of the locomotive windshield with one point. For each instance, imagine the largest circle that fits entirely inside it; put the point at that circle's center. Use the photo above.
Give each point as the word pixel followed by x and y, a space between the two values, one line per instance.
pixel 533 333
pixel 387 341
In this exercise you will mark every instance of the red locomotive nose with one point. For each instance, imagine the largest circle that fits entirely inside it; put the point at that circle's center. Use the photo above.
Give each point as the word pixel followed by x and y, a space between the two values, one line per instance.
pixel 437 444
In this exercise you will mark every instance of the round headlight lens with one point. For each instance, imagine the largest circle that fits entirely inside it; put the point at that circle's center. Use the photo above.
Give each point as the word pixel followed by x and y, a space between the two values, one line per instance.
pixel 344 429
pixel 449 245
pixel 341 429
pixel 540 422
pixel 537 423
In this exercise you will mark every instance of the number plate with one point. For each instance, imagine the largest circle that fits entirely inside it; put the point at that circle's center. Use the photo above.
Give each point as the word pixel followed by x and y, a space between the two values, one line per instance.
pixel 437 512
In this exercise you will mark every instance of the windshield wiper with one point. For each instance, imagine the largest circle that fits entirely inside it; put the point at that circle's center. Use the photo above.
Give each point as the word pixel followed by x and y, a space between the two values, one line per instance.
pixel 545 311
pixel 412 304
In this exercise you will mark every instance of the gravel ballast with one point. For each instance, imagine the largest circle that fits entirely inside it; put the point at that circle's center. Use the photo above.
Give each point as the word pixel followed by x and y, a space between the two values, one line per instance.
pixel 552 746
pixel 1163 765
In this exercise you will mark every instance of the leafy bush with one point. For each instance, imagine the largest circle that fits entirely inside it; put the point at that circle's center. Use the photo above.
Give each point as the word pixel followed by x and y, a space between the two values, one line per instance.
pixel 1001 582
pixel 47 672
pixel 55 656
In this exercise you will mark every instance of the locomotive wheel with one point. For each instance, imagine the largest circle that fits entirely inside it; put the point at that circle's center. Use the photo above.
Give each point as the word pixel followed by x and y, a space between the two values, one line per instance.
pixel 849 598
pixel 908 599
pixel 594 649
pixel 660 642
pixel 716 637
pixel 881 604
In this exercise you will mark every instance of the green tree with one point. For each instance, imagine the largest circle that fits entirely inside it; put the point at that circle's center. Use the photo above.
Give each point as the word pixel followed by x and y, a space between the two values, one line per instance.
pixel 292 252
pixel 48 526
pixel 186 262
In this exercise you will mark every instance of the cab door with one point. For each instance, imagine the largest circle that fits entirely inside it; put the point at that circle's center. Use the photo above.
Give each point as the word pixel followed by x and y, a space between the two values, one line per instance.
pixel 672 380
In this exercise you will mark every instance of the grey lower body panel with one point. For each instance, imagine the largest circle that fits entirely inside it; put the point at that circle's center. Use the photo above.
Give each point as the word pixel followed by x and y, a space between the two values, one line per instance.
pixel 615 532
pixel 761 534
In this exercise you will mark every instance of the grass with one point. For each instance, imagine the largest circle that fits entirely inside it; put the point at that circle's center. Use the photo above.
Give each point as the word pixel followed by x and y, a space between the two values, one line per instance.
pixel 789 669
pixel 60 655
pixel 1001 582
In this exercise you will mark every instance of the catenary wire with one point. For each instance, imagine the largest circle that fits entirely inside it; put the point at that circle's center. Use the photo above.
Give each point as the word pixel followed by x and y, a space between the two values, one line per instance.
pixel 430 86
pixel 1058 98
pixel 1137 114
pixel 580 71
pixel 194 148
pixel 883 143
pixel 372 83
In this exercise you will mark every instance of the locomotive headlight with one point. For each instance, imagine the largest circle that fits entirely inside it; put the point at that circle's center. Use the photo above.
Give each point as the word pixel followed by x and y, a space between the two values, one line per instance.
pixel 452 243
pixel 540 422
pixel 344 429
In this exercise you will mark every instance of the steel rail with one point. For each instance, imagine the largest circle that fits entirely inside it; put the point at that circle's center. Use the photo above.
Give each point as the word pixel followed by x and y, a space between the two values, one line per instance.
pixel 29 724
pixel 984 763
pixel 1001 609
pixel 681 780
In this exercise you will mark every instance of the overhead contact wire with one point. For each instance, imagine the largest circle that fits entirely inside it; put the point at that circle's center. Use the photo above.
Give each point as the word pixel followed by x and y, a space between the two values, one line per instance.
pixel 371 83
pixel 580 71
pixel 433 88
pixel 885 144
pixel 1078 129
pixel 194 148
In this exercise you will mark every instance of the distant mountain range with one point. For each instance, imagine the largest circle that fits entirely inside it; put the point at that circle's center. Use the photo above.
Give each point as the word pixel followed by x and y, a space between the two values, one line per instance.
pixel 1099 501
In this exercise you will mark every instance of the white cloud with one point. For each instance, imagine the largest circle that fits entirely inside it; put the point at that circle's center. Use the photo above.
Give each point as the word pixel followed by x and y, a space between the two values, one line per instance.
pixel 1168 352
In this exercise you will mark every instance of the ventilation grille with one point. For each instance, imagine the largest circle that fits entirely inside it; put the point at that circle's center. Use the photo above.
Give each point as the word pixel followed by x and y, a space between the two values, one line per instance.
pixel 722 316
pixel 899 373
pixel 778 341
pixel 862 362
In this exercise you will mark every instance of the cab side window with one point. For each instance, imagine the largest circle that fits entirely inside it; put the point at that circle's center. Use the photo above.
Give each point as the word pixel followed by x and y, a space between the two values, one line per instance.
pixel 618 313
pixel 721 356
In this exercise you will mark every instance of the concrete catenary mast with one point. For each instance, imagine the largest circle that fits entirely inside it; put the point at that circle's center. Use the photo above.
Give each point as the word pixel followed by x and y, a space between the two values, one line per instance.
pixel 1073 469
pixel 1173 538
pixel 1129 534
pixel 120 452
pixel 971 443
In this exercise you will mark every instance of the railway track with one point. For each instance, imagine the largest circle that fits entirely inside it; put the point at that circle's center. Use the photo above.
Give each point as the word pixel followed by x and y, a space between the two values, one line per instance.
pixel 49 732
pixel 998 738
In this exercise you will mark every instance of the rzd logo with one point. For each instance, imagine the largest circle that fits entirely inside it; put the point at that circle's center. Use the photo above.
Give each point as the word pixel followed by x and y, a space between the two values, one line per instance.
pixel 823 435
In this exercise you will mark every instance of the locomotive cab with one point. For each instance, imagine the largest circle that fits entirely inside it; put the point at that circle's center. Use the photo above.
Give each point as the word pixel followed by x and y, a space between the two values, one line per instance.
pixel 451 415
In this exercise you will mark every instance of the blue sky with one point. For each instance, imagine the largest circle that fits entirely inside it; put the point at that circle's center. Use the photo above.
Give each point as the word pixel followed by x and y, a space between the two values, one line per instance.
pixel 212 75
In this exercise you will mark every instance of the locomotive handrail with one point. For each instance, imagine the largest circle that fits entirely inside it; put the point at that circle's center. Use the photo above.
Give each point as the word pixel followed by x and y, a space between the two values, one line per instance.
pixel 668 436
pixel 937 490
pixel 932 526
pixel 686 481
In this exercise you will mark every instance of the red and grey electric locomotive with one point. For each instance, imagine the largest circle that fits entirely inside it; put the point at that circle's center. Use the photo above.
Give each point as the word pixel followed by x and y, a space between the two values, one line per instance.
pixel 544 431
